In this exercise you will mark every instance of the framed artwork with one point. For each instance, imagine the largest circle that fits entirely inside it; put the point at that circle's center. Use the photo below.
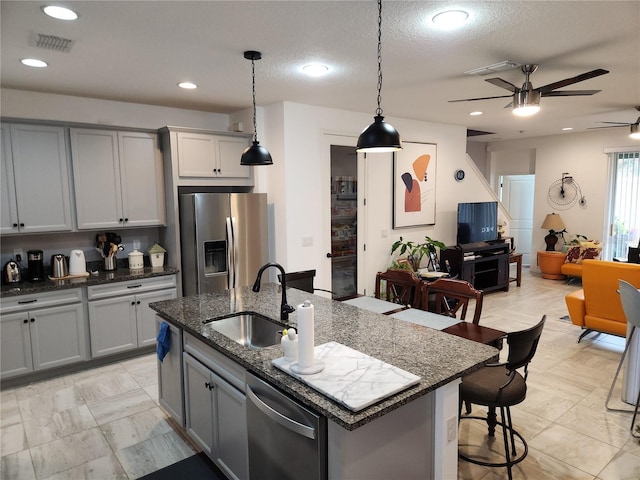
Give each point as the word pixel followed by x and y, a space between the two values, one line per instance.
pixel 414 185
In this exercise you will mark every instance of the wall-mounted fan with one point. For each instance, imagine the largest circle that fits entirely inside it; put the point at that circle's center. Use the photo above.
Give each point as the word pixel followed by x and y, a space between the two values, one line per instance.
pixel 527 95
pixel 634 130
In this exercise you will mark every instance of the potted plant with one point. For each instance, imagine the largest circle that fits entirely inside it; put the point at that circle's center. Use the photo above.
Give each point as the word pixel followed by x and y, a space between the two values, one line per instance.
pixel 416 251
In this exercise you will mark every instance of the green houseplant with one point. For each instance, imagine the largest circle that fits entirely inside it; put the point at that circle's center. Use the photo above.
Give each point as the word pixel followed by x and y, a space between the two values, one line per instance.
pixel 416 251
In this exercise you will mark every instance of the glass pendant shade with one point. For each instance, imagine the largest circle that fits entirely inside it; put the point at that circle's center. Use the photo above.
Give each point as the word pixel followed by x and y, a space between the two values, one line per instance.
pixel 256 155
pixel 379 137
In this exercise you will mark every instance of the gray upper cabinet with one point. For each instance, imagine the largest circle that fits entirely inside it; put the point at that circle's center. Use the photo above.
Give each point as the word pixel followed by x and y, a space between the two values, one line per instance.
pixel 211 156
pixel 118 179
pixel 34 164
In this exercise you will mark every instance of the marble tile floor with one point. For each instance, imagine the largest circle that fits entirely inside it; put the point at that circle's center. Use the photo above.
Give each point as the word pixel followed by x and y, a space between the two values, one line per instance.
pixel 106 423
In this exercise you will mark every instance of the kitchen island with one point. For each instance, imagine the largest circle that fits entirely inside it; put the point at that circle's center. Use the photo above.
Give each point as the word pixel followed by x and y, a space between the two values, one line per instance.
pixel 412 434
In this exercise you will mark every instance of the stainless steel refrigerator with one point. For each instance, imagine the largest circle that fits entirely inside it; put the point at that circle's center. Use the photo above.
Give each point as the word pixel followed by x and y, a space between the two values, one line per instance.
pixel 224 240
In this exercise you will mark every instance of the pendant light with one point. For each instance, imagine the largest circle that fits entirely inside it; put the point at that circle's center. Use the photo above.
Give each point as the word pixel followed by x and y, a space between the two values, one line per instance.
pixel 379 136
pixel 255 154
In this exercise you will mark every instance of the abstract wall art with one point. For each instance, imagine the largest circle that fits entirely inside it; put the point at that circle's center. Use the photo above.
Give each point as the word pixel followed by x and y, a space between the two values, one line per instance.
pixel 414 185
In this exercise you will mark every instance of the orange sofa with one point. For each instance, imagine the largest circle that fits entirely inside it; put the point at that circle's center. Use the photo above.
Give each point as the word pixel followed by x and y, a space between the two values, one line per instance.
pixel 597 307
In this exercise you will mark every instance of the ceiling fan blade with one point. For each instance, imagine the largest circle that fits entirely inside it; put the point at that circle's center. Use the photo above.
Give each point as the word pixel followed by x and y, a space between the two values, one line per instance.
pixel 481 98
pixel 569 93
pixel 610 126
pixel 498 82
pixel 509 105
pixel 572 80
pixel 621 124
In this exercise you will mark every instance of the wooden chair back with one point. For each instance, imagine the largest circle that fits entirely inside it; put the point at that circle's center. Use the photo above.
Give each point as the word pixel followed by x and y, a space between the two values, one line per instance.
pixel 453 296
pixel 398 286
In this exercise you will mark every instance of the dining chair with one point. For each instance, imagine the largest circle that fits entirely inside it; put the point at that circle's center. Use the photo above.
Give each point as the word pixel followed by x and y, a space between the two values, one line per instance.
pixel 400 286
pixel 630 299
pixel 500 385
pixel 302 280
pixel 452 296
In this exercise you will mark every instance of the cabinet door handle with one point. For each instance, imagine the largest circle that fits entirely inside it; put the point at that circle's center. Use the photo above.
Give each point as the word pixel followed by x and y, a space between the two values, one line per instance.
pixel 15 225
pixel 329 255
pixel 33 320
pixel 133 303
pixel 26 320
pixel 126 219
pixel 134 286
pixel 138 302
pixel 209 385
pixel 22 302
pixel 121 220
pixel 22 224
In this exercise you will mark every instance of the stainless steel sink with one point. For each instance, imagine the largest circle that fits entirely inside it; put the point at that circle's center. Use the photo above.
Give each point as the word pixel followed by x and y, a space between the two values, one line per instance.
pixel 249 329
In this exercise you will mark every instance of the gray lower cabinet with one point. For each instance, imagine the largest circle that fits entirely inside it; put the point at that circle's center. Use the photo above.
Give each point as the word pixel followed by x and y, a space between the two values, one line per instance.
pixel 170 376
pixel 215 416
pixel 119 315
pixel 38 332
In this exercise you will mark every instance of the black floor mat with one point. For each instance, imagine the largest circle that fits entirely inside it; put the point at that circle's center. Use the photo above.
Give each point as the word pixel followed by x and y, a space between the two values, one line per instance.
pixel 197 467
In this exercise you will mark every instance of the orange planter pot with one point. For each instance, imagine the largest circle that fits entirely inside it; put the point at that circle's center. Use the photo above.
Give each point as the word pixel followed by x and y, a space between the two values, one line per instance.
pixel 550 263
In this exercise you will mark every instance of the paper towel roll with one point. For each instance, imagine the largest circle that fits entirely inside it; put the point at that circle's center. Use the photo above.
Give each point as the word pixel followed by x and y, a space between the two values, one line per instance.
pixel 305 335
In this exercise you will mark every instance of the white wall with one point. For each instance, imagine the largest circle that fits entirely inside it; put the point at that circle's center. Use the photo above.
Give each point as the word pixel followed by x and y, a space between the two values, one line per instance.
pixel 302 196
pixel 581 155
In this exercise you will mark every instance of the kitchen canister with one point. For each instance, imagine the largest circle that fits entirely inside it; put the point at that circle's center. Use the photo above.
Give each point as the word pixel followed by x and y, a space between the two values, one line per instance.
pixel 136 260
pixel 156 255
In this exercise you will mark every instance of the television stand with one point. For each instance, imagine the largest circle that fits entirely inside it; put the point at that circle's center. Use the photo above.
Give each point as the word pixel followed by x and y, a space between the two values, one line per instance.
pixel 485 265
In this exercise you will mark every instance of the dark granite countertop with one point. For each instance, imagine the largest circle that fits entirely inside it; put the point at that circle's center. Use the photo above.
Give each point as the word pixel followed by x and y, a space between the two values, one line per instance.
pixel 438 358
pixel 99 278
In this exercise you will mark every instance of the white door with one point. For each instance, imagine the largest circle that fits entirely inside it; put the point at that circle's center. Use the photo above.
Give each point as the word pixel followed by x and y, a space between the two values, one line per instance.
pixel 517 198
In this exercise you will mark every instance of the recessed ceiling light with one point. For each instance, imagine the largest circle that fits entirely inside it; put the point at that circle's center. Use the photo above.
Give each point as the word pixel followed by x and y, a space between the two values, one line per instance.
pixel 315 69
pixel 450 18
pixel 187 85
pixel 33 62
pixel 60 13
pixel 473 114
pixel 566 129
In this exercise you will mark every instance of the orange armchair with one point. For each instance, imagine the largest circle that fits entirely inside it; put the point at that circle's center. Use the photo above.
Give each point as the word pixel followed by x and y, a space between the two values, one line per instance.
pixel 597 307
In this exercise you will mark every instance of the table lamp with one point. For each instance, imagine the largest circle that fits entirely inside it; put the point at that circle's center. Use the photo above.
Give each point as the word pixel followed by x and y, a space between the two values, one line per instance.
pixel 552 222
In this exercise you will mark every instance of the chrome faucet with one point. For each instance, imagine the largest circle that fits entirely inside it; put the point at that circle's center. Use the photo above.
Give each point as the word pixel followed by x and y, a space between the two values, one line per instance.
pixel 285 309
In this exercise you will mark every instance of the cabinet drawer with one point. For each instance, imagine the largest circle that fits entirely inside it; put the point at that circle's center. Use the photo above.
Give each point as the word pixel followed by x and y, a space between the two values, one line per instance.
pixel 40 300
pixel 130 287
pixel 216 361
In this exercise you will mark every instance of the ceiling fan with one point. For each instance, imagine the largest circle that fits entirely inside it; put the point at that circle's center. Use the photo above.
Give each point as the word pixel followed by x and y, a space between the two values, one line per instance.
pixel 634 130
pixel 526 100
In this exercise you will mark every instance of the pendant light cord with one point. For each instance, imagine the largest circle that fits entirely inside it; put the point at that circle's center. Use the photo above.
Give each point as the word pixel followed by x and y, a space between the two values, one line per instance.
pixel 379 109
pixel 253 89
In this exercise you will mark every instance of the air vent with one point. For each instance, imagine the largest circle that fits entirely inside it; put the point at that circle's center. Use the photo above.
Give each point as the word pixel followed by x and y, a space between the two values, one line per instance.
pixel 495 68
pixel 476 133
pixel 52 42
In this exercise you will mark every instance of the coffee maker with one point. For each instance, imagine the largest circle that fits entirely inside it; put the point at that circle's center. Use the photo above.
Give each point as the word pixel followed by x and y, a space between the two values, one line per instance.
pixel 36 266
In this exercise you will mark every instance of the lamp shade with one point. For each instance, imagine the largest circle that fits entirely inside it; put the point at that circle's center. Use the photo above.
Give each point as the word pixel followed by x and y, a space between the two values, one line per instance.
pixel 256 155
pixel 554 222
pixel 379 137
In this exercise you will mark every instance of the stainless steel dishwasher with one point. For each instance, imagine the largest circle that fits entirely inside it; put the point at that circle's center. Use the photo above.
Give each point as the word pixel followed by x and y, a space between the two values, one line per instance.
pixel 286 439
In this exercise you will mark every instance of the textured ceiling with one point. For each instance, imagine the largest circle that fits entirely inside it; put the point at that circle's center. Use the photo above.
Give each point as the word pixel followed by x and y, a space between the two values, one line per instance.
pixel 137 51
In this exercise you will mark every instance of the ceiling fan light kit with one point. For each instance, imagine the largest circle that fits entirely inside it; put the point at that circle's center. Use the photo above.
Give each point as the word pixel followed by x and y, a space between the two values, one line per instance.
pixel 526 103
pixel 255 154
pixel 635 130
pixel 379 136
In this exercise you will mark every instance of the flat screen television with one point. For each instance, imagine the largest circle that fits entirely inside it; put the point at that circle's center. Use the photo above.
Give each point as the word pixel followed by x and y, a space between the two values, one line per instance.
pixel 477 222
